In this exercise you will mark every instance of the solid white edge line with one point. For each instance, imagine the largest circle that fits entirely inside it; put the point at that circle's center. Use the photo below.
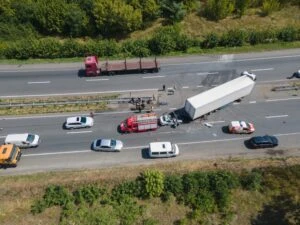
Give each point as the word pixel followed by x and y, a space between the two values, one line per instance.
pixel 277 116
pixel 185 87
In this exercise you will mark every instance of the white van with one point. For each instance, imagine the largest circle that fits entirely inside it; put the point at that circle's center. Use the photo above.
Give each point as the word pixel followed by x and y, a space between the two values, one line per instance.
pixel 23 140
pixel 163 150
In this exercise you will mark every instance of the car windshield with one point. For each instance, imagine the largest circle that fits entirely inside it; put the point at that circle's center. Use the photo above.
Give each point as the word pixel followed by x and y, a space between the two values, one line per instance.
pixel 167 118
pixel 98 143
pixel 113 143
pixel 83 120
pixel 30 138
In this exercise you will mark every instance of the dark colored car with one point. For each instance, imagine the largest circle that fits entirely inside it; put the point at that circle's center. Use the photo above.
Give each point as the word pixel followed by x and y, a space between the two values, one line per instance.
pixel 266 141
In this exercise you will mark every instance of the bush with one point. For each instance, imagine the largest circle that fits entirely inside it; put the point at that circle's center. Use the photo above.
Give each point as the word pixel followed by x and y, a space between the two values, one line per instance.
pixel 269 6
pixel 89 194
pixel 152 182
pixel 71 48
pixel 138 48
pixel 57 196
pixel 47 48
pixel 251 181
pixel 127 188
pixel 173 184
pixel 164 40
pixel 233 38
pixel 211 41
pixel 183 42
pixel 218 9
pixel 287 34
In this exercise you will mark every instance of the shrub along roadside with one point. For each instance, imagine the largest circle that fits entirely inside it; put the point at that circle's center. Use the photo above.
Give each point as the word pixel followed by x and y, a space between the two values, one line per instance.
pixel 202 192
pixel 165 40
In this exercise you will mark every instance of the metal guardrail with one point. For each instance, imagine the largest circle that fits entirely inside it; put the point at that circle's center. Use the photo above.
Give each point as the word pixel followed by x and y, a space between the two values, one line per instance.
pixel 70 102
pixel 285 88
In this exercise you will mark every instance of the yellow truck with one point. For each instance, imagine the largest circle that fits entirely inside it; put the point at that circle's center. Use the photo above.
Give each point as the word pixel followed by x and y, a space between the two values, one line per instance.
pixel 10 154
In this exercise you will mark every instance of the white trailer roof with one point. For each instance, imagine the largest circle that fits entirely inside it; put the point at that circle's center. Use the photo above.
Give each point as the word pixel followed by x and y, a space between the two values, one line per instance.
pixel 222 90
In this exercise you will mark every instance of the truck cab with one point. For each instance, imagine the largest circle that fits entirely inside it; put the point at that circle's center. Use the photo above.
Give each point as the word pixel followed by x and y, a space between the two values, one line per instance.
pixel 9 155
pixel 139 123
pixel 91 66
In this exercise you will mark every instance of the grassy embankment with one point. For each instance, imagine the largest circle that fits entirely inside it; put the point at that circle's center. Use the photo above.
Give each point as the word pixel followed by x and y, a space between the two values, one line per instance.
pixel 19 192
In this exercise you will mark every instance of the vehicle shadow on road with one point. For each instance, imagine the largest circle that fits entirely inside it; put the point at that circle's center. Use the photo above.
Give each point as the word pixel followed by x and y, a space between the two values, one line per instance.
pixel 225 130
pixel 81 73
pixel 145 153
pixel 248 145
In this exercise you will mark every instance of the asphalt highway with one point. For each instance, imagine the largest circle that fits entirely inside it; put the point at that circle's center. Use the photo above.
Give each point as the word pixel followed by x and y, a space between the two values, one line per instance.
pixel 70 149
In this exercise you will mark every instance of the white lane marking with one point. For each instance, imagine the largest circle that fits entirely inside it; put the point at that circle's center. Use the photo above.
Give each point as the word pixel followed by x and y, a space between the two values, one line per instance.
pixel 90 80
pixel 277 116
pixel 199 85
pixel 145 146
pixel 214 134
pixel 214 122
pixel 207 73
pixel 44 70
pixel 172 108
pixel 255 70
pixel 252 102
pixel 287 134
pixel 235 60
pixel 236 103
pixel 56 153
pixel 272 81
pixel 282 99
pixel 2 136
pixel 79 93
pixel 185 87
pixel 79 132
pixel 39 82
pixel 149 77
pixel 212 141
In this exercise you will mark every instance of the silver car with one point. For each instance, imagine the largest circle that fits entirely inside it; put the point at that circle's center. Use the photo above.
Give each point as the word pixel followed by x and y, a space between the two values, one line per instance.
pixel 79 122
pixel 108 145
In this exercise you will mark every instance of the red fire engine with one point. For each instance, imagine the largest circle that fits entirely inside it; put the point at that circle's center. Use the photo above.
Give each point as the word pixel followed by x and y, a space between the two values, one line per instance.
pixel 94 68
pixel 139 123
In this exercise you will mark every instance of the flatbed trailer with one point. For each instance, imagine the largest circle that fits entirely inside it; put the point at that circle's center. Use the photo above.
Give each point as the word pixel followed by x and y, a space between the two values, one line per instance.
pixel 94 68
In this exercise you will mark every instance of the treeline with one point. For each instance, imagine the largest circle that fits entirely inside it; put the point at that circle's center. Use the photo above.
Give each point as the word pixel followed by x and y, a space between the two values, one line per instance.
pixel 112 18
pixel 165 40
pixel 203 193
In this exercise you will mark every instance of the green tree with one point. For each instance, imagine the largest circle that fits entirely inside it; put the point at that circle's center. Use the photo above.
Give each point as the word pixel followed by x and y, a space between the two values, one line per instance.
pixel 218 9
pixel 76 21
pixel 153 183
pixel 173 11
pixel 115 17
pixel 150 9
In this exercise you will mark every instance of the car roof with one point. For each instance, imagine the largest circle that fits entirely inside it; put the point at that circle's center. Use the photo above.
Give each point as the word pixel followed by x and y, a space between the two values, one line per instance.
pixel 160 146
pixel 105 142
pixel 16 137
pixel 74 119
pixel 262 139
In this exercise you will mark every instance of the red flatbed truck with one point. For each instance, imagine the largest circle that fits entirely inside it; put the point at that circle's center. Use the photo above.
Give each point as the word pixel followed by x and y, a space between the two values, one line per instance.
pixel 94 68
pixel 139 123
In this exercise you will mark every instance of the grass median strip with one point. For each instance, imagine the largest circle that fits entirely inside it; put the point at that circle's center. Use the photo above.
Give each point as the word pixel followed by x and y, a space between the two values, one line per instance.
pixel 21 106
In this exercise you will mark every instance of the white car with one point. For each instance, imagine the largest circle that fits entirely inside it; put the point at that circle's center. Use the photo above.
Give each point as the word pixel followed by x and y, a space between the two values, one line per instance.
pixel 169 119
pixel 163 150
pixel 79 122
pixel 249 74
pixel 241 127
pixel 108 145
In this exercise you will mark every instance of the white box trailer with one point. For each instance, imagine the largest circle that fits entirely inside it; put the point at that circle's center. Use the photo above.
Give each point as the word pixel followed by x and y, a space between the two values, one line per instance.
pixel 217 97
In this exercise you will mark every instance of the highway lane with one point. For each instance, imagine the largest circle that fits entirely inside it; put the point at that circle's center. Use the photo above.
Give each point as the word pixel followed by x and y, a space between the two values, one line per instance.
pixel 268 117
pixel 183 74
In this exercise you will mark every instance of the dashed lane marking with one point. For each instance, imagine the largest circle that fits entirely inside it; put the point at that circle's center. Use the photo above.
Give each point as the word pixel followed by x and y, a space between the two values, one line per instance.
pixel 252 102
pixel 79 132
pixel 149 77
pixel 90 80
pixel 277 116
pixel 255 70
pixel 39 82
